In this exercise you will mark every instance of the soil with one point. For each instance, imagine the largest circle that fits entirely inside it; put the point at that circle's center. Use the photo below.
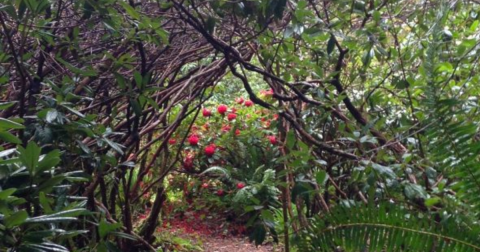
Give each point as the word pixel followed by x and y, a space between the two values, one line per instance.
pixel 233 244
pixel 212 234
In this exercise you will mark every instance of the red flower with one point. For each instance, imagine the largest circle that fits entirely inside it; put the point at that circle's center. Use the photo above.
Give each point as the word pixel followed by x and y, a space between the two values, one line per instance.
pixel 231 116
pixel 188 163
pixel 248 103
pixel 172 141
pixel 220 192
pixel 193 140
pixel 209 150
pixel 239 100
pixel 226 128
pixel 240 185
pixel 273 139
pixel 267 123
pixel 204 185
pixel 275 117
pixel 237 132
pixel 269 92
pixel 206 112
pixel 222 109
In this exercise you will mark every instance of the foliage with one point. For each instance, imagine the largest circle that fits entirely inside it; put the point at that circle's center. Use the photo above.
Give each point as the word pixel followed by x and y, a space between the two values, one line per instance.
pixel 389 228
pixel 348 105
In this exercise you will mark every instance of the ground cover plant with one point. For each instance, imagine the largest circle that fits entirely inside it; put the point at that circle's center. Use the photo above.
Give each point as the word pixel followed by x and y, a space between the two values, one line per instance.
pixel 309 125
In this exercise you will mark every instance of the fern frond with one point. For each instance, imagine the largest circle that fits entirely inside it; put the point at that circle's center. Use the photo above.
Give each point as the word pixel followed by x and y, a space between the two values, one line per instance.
pixel 218 169
pixel 385 228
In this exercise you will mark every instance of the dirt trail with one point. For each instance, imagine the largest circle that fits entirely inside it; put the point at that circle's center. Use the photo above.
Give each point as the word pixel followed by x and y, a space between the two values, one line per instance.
pixel 234 244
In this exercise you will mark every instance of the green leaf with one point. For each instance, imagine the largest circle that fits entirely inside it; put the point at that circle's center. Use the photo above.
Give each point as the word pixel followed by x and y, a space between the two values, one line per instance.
pixel 51 182
pixel 51 115
pixel 432 201
pixel 413 191
pixel 138 79
pixel 130 10
pixel 321 177
pixel 6 124
pixel 291 140
pixel 7 152
pixel 331 44
pixel 44 219
pixel 6 193
pixel 104 228
pixel 49 161
pixel 16 219
pixel 73 111
pixel 114 145
pixel 29 156
pixel 44 202
pixel 83 72
pixel 210 24
pixel 445 67
pixel 5 105
pixel 258 235
pixel 474 26
pixel 9 137
pixel 124 235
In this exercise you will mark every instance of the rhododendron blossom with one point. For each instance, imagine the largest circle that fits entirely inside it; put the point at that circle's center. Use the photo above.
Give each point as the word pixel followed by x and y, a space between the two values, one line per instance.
pixel 239 100
pixel 193 140
pixel 172 141
pixel 222 109
pixel 231 116
pixel 273 139
pixel 248 103
pixel 210 150
pixel 188 163
pixel 240 185
pixel 206 112
pixel 226 128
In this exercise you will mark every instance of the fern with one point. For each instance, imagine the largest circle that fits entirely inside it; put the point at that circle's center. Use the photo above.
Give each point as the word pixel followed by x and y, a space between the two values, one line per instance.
pixel 452 138
pixel 218 169
pixel 385 228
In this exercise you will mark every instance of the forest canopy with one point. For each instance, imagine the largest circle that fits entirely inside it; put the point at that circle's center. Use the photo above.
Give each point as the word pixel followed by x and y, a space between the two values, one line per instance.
pixel 321 125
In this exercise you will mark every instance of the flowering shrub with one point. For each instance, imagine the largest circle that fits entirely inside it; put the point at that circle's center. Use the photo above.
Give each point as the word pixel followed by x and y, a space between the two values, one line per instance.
pixel 229 160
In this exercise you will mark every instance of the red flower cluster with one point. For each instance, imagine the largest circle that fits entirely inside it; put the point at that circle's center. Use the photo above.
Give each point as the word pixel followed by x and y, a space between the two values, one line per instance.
pixel 239 100
pixel 248 103
pixel 172 141
pixel 206 112
pixel 210 150
pixel 222 109
pixel 226 128
pixel 188 163
pixel 193 140
pixel 240 185
pixel 231 116
pixel 273 139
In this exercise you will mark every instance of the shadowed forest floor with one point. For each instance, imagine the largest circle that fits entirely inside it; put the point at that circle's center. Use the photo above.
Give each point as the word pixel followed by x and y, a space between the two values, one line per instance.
pixel 196 232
